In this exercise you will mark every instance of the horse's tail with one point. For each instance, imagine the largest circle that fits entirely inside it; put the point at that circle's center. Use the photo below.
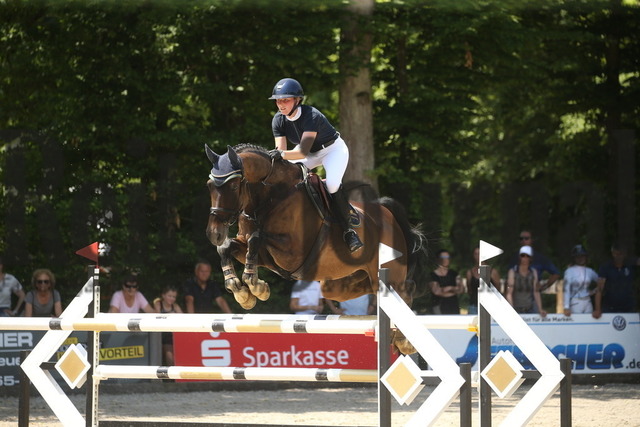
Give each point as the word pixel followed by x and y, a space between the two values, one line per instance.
pixel 413 236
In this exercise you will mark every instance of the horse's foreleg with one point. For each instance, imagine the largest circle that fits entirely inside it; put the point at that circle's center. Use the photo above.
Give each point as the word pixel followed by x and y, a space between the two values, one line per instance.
pixel 232 283
pixel 258 287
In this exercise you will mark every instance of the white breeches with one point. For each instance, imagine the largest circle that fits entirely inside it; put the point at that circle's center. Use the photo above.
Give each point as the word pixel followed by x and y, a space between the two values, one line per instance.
pixel 334 159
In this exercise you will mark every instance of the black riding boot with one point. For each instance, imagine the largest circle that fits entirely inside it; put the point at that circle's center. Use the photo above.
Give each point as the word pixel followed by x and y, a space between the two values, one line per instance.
pixel 341 210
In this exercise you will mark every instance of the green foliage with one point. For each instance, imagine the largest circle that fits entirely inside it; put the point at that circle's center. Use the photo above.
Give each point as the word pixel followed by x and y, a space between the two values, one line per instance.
pixel 488 117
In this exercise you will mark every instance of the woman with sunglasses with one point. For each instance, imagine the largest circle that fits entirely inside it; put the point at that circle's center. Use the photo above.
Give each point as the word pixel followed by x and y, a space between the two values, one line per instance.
pixel 44 300
pixel 523 287
pixel 129 300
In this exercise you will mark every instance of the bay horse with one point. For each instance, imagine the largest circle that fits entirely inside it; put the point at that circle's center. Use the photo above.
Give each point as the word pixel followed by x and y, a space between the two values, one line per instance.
pixel 280 228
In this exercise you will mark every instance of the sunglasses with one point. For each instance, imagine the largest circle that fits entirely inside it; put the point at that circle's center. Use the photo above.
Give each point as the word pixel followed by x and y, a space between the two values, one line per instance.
pixel 524 255
pixel 131 286
pixel 525 237
pixel 39 282
pixel 444 256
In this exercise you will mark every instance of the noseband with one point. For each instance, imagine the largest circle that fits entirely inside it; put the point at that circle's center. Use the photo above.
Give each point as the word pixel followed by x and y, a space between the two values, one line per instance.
pixel 233 215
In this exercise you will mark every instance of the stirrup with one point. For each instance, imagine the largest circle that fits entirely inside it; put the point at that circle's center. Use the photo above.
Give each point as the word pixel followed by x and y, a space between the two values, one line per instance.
pixel 352 240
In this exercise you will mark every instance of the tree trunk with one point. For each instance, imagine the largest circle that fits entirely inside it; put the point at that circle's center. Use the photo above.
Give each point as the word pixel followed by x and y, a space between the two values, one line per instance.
pixel 622 142
pixel 355 108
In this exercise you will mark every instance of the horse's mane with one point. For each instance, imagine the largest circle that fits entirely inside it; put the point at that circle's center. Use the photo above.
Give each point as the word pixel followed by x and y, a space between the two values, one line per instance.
pixel 245 146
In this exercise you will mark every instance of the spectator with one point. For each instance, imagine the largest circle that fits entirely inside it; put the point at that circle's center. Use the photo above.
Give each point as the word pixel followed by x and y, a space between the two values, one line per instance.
pixel 44 300
pixel 167 304
pixel 201 292
pixel 580 282
pixel 523 288
pixel 306 297
pixel 359 306
pixel 473 281
pixel 616 293
pixel 129 299
pixel 540 263
pixel 445 285
pixel 9 285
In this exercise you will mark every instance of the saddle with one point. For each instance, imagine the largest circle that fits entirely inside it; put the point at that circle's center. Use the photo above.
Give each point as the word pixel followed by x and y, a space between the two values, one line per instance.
pixel 321 199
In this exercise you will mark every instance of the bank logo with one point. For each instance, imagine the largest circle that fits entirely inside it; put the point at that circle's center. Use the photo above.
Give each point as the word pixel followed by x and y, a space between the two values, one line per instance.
pixel 215 353
pixel 619 323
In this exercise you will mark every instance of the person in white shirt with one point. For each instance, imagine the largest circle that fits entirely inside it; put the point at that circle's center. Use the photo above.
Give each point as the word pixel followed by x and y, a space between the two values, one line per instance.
pixel 360 306
pixel 580 282
pixel 306 297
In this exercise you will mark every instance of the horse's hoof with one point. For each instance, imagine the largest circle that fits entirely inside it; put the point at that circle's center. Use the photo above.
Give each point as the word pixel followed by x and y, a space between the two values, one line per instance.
pixel 402 343
pixel 245 298
pixel 404 346
pixel 249 303
pixel 261 291
pixel 264 295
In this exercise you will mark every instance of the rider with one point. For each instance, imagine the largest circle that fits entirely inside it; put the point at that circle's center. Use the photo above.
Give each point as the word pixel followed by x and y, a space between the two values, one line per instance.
pixel 317 143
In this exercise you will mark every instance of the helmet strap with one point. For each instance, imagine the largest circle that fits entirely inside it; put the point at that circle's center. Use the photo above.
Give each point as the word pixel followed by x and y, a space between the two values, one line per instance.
pixel 295 107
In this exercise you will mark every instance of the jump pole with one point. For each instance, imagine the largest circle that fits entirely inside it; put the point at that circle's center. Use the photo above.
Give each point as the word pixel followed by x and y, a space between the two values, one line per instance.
pixel 103 372
pixel 257 323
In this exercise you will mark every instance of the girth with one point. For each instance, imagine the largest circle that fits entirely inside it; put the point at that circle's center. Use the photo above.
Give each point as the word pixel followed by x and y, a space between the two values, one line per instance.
pixel 317 193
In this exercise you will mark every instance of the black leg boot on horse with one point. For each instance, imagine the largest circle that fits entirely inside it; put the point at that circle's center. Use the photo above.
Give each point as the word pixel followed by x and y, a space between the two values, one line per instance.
pixel 341 210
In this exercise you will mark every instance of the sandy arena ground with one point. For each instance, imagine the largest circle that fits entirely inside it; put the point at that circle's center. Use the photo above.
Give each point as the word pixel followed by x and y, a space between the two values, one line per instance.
pixel 593 406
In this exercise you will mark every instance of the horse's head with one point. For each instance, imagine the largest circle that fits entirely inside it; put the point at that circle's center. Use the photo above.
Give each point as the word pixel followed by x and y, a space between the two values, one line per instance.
pixel 224 188
pixel 246 174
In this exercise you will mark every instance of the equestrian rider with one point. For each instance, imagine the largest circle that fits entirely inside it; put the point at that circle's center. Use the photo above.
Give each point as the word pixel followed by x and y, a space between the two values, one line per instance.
pixel 317 143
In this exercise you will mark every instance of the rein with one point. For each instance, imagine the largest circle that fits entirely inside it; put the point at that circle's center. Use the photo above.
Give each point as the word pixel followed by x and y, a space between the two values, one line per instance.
pixel 264 180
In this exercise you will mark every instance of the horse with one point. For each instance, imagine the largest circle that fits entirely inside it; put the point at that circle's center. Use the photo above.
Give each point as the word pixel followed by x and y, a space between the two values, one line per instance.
pixel 281 228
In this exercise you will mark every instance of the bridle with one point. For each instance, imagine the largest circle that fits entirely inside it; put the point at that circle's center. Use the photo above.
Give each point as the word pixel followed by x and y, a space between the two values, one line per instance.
pixel 231 219
pixel 233 214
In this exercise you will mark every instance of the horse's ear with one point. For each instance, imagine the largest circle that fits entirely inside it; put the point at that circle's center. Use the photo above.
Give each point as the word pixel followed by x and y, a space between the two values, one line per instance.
pixel 236 161
pixel 213 157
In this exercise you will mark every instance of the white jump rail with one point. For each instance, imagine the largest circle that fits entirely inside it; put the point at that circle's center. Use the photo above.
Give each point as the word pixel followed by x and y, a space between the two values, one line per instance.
pixel 104 372
pixel 260 323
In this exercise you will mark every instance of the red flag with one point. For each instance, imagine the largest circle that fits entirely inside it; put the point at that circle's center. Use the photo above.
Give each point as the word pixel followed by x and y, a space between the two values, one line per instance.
pixel 90 252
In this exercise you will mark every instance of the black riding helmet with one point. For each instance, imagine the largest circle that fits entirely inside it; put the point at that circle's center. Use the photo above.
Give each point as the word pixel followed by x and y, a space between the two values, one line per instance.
pixel 287 88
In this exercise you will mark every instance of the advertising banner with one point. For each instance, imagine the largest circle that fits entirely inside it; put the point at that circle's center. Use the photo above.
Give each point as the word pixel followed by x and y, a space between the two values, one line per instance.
pixel 607 345
pixel 275 350
pixel 121 348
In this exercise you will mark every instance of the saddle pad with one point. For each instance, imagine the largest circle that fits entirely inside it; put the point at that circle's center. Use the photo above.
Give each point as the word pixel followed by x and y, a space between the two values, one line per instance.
pixel 319 195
